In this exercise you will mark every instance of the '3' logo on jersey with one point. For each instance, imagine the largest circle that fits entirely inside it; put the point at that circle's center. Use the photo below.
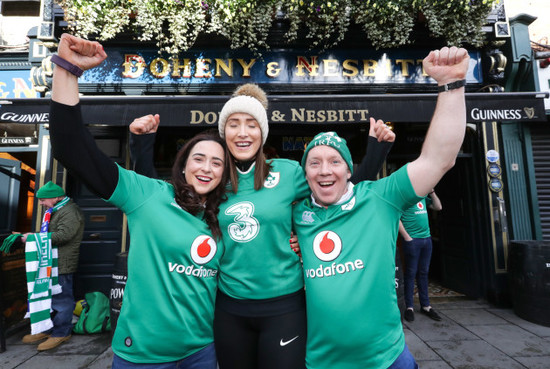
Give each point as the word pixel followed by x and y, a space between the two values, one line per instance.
pixel 245 227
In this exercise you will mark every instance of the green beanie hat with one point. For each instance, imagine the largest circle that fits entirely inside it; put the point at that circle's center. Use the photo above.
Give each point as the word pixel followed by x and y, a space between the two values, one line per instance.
pixel 330 139
pixel 49 191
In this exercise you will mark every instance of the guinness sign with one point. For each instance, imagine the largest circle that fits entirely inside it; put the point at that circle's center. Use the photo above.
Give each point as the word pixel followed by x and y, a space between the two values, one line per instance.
pixel 16 141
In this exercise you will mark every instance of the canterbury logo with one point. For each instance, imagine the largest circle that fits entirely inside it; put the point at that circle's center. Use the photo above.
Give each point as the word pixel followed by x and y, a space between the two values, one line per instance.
pixel 284 343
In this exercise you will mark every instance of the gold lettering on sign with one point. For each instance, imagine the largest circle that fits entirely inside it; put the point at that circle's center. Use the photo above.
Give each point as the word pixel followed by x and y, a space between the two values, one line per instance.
pixel 369 67
pixel 350 68
pixel 389 67
pixel 330 116
pixel 273 69
pixel 310 66
pixel 159 68
pixel 202 68
pixel 246 66
pixel 133 66
pixel 404 66
pixel 199 117
pixel 177 67
pixel 330 67
pixel 227 68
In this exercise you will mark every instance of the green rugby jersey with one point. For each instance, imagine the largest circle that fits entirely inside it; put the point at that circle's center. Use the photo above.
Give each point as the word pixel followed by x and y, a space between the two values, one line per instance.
pixel 168 306
pixel 349 268
pixel 415 219
pixel 258 262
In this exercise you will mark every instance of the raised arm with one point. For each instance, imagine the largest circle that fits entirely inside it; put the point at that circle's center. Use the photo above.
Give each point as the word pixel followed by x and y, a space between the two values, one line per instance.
pixel 142 141
pixel 72 143
pixel 448 124
pixel 381 139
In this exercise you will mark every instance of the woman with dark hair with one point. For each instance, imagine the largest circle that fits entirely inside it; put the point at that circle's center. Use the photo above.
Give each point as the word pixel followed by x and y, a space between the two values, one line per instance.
pixel 166 320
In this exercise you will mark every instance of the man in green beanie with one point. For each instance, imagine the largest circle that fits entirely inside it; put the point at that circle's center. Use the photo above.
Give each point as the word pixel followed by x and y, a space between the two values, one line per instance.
pixel 63 224
pixel 348 233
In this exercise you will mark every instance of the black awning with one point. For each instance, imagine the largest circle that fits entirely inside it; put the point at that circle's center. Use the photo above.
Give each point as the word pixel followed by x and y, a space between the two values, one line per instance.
pixel 285 110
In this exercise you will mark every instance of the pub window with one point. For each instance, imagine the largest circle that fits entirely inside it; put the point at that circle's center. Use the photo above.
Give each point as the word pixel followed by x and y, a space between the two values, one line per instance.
pixel 20 8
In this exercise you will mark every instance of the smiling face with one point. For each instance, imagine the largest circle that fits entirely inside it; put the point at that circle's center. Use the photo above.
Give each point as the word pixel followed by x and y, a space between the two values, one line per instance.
pixel 327 174
pixel 243 136
pixel 204 166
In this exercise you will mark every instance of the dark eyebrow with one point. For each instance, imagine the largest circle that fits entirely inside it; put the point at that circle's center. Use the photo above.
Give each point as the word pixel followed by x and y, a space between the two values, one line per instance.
pixel 204 156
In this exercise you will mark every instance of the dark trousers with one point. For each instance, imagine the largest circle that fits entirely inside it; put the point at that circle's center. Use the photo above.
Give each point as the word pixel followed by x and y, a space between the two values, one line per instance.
pixel 63 305
pixel 418 253
pixel 271 342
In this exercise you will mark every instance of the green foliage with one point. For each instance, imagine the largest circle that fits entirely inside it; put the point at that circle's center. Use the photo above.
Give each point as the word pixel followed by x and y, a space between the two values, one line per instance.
pixel 175 24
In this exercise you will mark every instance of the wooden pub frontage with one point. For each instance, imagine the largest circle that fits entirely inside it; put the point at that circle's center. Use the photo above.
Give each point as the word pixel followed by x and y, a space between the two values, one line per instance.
pixel 309 91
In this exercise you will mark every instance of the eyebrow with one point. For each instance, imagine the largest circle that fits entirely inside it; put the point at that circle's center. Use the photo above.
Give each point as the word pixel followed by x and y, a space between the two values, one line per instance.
pixel 247 119
pixel 204 156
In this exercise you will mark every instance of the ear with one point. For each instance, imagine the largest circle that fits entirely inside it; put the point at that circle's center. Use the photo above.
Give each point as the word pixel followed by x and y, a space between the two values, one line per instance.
pixel 349 174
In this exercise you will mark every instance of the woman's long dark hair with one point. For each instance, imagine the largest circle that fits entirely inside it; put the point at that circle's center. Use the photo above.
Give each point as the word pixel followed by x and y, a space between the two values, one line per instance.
pixel 185 194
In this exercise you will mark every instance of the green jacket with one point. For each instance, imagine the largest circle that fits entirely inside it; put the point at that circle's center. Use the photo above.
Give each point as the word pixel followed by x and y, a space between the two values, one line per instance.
pixel 67 228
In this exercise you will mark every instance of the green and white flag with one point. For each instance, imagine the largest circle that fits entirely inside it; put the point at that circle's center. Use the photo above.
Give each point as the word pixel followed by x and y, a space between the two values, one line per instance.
pixel 42 274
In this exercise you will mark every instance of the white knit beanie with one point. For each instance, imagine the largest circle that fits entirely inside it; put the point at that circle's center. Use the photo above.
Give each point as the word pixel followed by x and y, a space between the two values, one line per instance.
pixel 249 99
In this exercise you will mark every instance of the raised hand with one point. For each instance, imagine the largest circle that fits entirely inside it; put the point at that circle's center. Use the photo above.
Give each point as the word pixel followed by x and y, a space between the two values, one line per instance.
pixel 447 64
pixel 83 53
pixel 379 130
pixel 145 125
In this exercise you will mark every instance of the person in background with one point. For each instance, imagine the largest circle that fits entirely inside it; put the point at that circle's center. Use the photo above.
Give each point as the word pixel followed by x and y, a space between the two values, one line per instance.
pixel 65 221
pixel 414 227
pixel 348 233
pixel 166 320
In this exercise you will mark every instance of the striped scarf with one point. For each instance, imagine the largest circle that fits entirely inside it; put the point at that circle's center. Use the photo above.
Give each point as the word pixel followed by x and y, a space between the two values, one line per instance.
pixel 42 273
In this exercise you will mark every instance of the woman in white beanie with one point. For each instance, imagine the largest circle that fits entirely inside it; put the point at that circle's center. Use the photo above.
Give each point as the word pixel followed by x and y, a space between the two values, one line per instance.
pixel 260 318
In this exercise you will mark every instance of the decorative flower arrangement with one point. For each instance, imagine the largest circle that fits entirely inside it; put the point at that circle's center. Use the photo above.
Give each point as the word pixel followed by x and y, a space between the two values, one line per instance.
pixel 387 23
pixel 184 20
pixel 326 22
pixel 245 23
pixel 457 21
pixel 175 24
pixel 102 18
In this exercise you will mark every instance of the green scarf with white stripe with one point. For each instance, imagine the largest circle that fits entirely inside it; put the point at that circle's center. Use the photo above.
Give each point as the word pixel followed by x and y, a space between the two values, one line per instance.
pixel 42 273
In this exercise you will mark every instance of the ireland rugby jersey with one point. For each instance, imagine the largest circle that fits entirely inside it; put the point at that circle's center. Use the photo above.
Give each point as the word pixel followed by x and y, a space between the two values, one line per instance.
pixel 258 262
pixel 349 268
pixel 168 306
pixel 415 219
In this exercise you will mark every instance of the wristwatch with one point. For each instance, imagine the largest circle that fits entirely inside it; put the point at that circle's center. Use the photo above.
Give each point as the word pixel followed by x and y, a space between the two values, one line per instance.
pixel 451 86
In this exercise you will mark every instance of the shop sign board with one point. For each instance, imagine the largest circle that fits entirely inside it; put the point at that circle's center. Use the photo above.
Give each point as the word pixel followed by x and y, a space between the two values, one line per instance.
pixel 16 84
pixel 129 67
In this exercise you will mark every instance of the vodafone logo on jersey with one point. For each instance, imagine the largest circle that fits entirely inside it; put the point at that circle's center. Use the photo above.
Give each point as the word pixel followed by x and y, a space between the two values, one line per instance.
pixel 203 249
pixel 420 205
pixel 327 245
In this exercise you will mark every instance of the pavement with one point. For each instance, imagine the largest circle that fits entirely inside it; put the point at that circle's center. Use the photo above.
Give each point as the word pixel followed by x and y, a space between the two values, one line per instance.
pixel 473 334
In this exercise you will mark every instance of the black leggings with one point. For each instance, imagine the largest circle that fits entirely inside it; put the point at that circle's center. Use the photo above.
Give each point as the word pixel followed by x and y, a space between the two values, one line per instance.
pixel 272 342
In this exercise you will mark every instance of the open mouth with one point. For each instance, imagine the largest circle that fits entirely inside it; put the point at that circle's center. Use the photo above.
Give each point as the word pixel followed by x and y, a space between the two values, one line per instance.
pixel 204 179
pixel 243 144
pixel 326 183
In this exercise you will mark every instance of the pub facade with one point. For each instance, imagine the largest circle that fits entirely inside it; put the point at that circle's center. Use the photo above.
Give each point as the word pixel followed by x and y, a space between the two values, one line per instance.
pixel 490 197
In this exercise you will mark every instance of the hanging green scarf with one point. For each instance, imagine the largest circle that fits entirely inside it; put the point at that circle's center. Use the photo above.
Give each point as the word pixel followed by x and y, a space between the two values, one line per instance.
pixel 42 273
